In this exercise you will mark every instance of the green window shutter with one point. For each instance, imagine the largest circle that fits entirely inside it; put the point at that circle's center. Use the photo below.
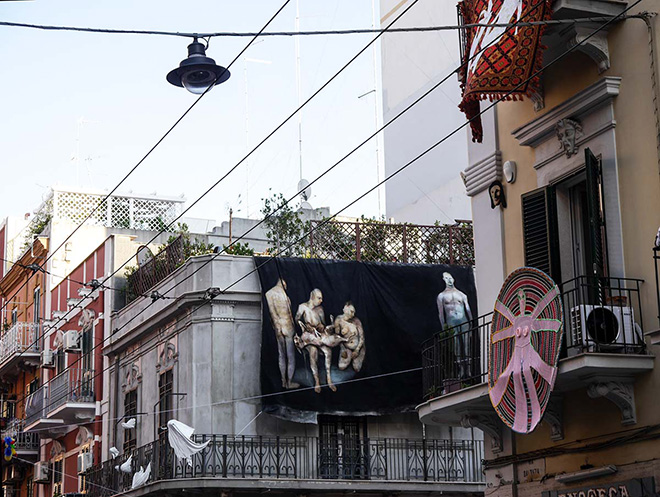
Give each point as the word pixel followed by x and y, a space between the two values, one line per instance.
pixel 539 213
pixel 597 260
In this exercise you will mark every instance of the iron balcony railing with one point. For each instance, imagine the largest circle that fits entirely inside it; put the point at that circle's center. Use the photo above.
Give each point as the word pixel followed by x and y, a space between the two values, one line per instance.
pixel 383 242
pixel 154 270
pixel 24 440
pixel 456 357
pixel 35 405
pixel 73 385
pixel 601 314
pixel 19 339
pixel 302 458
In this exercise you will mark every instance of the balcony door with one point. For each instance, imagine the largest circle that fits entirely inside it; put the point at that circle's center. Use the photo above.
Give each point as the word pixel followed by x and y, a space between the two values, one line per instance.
pixel 342 447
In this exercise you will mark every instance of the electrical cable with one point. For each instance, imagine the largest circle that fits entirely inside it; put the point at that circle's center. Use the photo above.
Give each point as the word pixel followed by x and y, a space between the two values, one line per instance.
pixel 326 221
pixel 160 140
pixel 234 34
pixel 233 168
pixel 145 308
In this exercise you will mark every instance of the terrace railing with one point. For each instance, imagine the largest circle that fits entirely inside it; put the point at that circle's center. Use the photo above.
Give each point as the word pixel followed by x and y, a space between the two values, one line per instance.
pixel 72 385
pixel 456 357
pixel 20 338
pixel 601 314
pixel 383 242
pixel 154 270
pixel 301 458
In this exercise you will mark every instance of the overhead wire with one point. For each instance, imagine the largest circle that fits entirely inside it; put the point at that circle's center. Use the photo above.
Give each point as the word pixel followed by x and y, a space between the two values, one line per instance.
pixel 322 223
pixel 235 34
pixel 160 140
pixel 233 168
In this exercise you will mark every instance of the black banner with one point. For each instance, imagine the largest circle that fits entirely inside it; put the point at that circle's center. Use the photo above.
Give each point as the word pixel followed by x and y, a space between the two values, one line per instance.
pixel 367 320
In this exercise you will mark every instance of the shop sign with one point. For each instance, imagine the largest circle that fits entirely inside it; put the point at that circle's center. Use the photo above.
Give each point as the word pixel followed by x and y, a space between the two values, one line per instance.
pixel 639 487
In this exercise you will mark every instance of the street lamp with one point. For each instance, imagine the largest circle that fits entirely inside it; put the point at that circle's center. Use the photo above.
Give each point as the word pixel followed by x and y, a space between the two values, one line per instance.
pixel 197 72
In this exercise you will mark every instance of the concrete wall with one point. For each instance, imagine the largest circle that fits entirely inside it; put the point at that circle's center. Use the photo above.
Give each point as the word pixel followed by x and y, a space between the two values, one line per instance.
pixel 217 364
pixel 412 63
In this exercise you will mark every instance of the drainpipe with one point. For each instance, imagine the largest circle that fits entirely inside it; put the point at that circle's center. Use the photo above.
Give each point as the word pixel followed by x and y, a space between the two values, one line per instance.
pixel 647 17
pixel 116 403
pixel 514 466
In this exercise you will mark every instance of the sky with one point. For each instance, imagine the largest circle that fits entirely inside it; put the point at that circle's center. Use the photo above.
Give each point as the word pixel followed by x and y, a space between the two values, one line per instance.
pixel 81 109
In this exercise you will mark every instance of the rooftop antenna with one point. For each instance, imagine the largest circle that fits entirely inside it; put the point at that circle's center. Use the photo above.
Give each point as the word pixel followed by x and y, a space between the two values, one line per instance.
pixel 305 194
pixel 299 88
pixel 76 156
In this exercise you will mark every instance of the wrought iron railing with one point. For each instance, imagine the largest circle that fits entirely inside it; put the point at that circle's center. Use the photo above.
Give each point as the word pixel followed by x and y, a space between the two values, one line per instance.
pixel 73 385
pixel 600 315
pixel 456 357
pixel 35 405
pixel 303 458
pixel 24 440
pixel 603 314
pixel 383 242
pixel 19 339
pixel 154 270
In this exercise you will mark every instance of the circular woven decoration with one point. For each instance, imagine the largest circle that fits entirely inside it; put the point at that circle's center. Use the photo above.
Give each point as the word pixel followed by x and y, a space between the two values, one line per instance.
pixel 525 340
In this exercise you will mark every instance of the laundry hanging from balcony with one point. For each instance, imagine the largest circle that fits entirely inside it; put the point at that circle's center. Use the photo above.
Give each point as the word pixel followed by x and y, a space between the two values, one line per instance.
pixel 344 337
pixel 500 61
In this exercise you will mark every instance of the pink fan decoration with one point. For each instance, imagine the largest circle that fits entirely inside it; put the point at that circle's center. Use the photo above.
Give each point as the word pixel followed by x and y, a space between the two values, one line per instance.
pixel 525 341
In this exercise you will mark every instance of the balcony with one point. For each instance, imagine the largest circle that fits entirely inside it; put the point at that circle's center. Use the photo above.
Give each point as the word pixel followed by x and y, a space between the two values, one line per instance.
pixel 301 463
pixel 603 351
pixel 19 344
pixel 72 396
pixel 27 444
pixel 67 399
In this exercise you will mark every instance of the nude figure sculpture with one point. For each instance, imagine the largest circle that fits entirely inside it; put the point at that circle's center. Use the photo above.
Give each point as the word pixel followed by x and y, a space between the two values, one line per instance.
pixel 352 351
pixel 279 307
pixel 315 336
pixel 454 312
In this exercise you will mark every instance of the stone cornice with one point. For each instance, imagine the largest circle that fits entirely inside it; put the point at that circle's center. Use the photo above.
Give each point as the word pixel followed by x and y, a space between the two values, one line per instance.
pixel 580 104
pixel 480 175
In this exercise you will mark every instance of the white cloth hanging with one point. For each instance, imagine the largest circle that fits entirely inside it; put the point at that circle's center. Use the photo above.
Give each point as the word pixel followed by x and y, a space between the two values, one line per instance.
pixel 114 452
pixel 127 466
pixel 179 435
pixel 141 477
pixel 129 425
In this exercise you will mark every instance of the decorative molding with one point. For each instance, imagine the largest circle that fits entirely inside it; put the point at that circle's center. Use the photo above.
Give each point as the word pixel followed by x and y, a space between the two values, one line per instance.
pixel 489 424
pixel 167 355
pixel 569 131
pixel 132 377
pixel 480 175
pixel 57 448
pixel 588 41
pixel 554 418
pixel 622 394
pixel 84 436
pixel 579 105
pixel 86 320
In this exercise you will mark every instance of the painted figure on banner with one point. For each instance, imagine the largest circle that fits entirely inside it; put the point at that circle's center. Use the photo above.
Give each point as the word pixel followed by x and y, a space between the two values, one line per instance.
pixel 454 312
pixel 525 341
pixel 352 351
pixel 316 337
pixel 279 307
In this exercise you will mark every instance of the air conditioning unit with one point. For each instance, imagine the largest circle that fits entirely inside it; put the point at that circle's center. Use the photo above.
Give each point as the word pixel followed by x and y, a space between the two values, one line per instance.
pixel 85 461
pixel 41 472
pixel 603 328
pixel 72 341
pixel 47 359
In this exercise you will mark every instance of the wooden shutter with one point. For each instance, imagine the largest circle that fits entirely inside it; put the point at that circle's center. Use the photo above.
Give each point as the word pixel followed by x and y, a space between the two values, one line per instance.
pixel 597 258
pixel 539 213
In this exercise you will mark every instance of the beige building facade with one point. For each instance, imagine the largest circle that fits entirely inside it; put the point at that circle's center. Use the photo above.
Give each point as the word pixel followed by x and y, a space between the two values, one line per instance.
pixel 581 176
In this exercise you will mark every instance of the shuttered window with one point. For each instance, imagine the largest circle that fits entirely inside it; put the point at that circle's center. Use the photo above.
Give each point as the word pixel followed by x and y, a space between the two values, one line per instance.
pixel 540 237
pixel 596 208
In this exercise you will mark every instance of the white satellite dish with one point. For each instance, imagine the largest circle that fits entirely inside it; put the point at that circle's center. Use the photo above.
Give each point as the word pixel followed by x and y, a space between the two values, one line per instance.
pixel 304 189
